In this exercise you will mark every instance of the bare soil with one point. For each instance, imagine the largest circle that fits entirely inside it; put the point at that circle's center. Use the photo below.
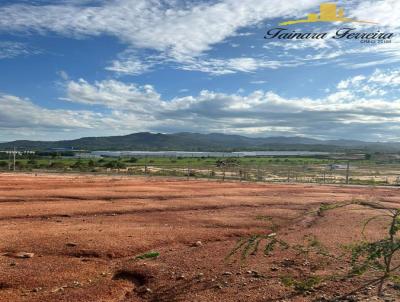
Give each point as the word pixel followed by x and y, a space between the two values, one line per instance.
pixel 76 238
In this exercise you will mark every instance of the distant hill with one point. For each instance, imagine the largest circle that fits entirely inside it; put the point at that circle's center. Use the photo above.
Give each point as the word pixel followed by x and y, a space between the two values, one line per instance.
pixel 200 142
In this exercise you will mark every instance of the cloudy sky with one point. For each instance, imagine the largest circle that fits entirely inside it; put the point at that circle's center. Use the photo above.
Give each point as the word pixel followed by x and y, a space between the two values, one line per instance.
pixel 73 68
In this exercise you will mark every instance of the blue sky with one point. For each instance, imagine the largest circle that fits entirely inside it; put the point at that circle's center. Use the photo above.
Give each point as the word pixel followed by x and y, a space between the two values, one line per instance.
pixel 74 68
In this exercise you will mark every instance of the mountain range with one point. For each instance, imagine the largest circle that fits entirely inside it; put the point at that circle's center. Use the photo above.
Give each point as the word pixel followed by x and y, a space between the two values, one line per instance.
pixel 146 141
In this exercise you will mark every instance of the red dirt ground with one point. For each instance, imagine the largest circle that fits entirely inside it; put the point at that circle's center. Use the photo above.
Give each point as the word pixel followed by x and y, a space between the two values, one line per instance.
pixel 85 232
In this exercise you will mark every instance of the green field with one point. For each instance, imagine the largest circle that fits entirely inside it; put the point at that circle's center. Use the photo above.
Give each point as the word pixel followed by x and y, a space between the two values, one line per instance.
pixel 376 170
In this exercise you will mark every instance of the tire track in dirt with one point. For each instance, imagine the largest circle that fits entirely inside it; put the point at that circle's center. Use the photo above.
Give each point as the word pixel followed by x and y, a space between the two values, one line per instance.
pixel 155 210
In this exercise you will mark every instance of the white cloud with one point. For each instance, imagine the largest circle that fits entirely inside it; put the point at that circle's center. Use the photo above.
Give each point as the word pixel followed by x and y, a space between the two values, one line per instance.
pixel 348 112
pixel 351 111
pixel 380 83
pixel 115 95
pixel 386 78
pixel 22 119
pixel 184 32
pixel 130 66
pixel 300 44
pixel 10 50
pixel 351 82
pixel 130 63
pixel 17 112
pixel 63 75
pixel 234 65
pixel 180 30
pixel 384 12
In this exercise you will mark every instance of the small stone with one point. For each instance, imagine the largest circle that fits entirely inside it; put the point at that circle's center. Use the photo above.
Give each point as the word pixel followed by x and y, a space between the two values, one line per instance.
pixel 200 275
pixel 181 277
pixel 13 264
pixel 227 274
pixel 143 290
pixel 288 263
pixel 24 255
pixel 254 274
pixel 352 299
pixel 198 244
pixel 37 289
pixel 59 289
pixel 274 269
pixel 71 244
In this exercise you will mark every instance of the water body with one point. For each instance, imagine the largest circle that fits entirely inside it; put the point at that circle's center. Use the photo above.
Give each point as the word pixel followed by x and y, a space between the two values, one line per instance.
pixel 204 154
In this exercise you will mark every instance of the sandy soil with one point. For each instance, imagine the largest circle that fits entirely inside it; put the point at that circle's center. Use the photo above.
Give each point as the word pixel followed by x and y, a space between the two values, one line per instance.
pixel 86 231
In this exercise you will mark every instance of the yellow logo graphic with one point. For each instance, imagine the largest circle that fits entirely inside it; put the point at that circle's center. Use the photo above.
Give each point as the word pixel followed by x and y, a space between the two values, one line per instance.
pixel 328 13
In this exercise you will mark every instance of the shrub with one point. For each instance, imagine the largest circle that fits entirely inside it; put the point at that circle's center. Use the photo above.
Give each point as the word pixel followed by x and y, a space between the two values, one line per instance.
pixel 3 164
pixel 115 164
pixel 150 255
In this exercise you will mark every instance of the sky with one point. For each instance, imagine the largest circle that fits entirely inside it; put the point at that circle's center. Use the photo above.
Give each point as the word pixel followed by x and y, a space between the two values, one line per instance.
pixel 77 68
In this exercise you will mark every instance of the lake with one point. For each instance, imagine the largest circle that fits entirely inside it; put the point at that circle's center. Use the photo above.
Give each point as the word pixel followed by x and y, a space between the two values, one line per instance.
pixel 204 154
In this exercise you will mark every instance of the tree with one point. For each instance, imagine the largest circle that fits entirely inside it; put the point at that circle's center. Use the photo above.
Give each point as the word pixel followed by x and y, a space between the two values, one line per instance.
pixel 32 162
pixel 227 163
pixel 133 160
pixel 115 164
pixel 369 257
pixel 92 163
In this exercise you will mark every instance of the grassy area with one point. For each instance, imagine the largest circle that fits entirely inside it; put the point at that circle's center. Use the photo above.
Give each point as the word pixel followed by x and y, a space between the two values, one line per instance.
pixel 184 162
pixel 274 169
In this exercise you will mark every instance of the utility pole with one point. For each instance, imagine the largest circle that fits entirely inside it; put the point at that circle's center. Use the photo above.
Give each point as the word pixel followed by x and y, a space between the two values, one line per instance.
pixel 348 173
pixel 14 153
pixel 9 161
